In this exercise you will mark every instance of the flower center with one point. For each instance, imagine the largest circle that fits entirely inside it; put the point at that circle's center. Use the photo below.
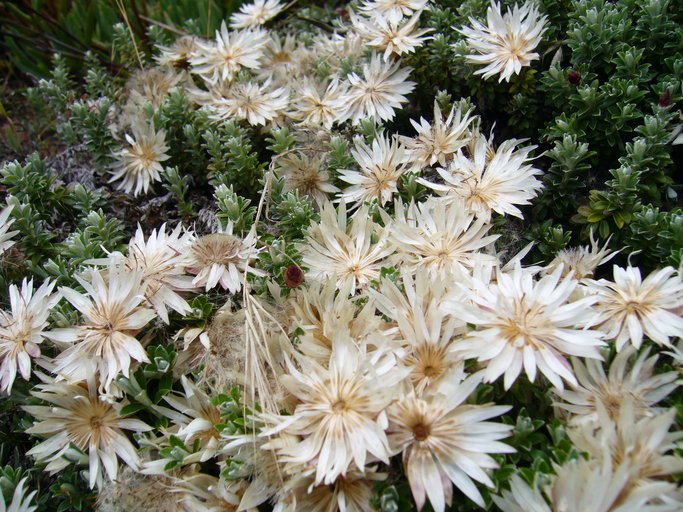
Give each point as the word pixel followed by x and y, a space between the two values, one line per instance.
pixel 339 406
pixel 420 432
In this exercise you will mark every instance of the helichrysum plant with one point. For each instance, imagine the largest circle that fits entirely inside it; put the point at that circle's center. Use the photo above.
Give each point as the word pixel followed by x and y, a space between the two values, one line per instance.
pixel 388 255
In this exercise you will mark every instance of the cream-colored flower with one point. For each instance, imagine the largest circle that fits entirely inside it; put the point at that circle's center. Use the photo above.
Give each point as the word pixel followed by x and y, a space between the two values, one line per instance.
pixel 381 90
pixel 207 493
pixel 79 416
pixel 320 312
pixel 582 485
pixel 5 223
pixel 639 384
pixel 394 39
pixel 506 45
pixel 178 55
pixel 232 51
pixel 105 341
pixel 426 333
pixel 392 11
pixel 150 86
pixel 352 492
pixel 306 173
pixel 222 258
pixel 444 440
pixel 252 102
pixel 22 329
pixel 340 417
pixel 439 140
pixel 440 237
pixel 527 323
pixel 631 307
pixel 196 418
pixel 490 183
pixel 316 104
pixel 139 163
pixel 334 251
pixel 381 167
pixel 643 444
pixel 255 14
pixel 583 260
pixel 159 261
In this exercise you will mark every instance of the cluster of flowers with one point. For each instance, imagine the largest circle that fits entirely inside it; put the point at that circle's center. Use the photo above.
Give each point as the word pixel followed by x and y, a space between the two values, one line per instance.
pixel 358 365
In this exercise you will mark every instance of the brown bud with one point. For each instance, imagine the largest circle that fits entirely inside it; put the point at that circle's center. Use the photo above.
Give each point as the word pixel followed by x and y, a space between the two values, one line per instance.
pixel 574 77
pixel 293 276
pixel 665 99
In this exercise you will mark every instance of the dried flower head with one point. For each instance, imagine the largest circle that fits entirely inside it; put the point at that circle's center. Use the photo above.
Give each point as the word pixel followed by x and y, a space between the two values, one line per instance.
pixel 307 174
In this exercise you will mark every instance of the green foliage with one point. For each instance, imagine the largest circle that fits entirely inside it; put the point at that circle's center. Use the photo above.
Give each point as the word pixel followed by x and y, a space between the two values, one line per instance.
pixel 33 183
pixel 234 208
pixel 178 186
pixel 293 215
pixel 232 161
pixel 149 384
pixel 35 241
